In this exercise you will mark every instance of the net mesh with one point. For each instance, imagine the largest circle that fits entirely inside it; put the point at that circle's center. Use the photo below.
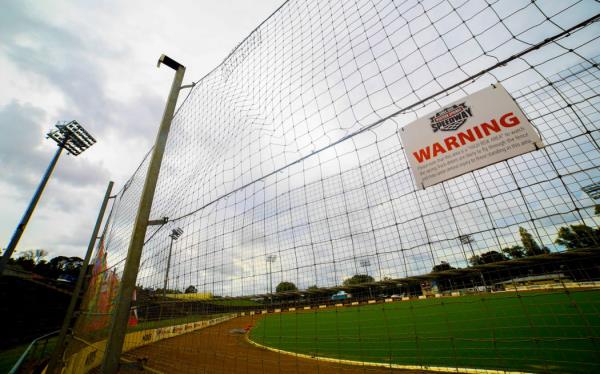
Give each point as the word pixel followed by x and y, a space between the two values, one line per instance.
pixel 285 172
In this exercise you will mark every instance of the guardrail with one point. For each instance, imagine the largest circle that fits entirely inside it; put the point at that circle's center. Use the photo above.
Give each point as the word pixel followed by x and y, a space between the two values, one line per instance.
pixel 33 353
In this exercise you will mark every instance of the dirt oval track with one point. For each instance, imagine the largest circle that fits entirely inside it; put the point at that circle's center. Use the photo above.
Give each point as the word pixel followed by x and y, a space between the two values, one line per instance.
pixel 216 350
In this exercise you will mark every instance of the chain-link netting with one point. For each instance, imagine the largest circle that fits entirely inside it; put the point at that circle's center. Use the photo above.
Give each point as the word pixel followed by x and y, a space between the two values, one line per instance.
pixel 291 206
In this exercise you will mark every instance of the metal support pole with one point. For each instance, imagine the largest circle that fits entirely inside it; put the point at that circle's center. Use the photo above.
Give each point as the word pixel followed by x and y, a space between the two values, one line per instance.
pixel 167 272
pixel 56 359
pixel 32 204
pixel 118 326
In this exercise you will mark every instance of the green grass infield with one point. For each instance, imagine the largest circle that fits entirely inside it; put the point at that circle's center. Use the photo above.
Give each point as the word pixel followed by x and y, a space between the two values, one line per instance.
pixel 532 331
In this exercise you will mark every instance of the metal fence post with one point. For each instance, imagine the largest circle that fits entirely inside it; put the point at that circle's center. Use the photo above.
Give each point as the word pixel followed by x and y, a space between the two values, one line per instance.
pixel 118 326
pixel 56 357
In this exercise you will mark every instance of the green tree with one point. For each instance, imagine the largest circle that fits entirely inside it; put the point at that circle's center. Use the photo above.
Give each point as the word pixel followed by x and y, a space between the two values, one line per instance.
pixel 313 287
pixel 66 265
pixel 442 266
pixel 578 236
pixel 516 251
pixel 191 289
pixel 28 255
pixel 359 279
pixel 487 258
pixel 25 263
pixel 532 248
pixel 286 286
pixel 42 267
pixel 475 260
pixel 39 254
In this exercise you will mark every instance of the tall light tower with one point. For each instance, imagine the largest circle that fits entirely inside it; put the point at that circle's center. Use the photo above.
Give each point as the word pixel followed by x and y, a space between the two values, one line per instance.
pixel 365 263
pixel 70 136
pixel 467 239
pixel 174 235
pixel 270 259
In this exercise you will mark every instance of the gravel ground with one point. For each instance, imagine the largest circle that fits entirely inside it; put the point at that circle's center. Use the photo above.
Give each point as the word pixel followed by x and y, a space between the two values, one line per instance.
pixel 217 350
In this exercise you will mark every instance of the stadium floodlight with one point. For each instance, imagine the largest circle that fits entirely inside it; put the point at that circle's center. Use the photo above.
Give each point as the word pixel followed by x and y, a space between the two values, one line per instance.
pixel 72 137
pixel 270 259
pixel 592 190
pixel 468 240
pixel 174 235
pixel 365 263
pixel 69 135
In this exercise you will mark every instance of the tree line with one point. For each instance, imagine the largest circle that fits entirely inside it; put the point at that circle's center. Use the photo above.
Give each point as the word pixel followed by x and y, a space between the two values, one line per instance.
pixel 572 237
pixel 34 261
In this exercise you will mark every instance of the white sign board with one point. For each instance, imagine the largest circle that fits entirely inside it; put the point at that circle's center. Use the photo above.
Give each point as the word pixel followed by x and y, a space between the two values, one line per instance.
pixel 478 130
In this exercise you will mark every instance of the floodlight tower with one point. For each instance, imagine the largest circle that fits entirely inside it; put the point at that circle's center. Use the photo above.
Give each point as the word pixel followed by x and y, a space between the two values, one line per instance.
pixel 365 263
pixel 270 260
pixel 174 235
pixel 70 136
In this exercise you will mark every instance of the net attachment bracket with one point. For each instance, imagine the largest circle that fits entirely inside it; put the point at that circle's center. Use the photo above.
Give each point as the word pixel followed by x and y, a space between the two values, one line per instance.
pixel 154 222
pixel 191 85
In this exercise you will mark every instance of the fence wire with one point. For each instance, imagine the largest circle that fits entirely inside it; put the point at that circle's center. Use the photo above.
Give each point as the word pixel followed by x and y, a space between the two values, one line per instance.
pixel 285 172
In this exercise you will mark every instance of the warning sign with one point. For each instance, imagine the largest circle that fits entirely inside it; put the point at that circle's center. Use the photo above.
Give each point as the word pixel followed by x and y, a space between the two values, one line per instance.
pixel 478 130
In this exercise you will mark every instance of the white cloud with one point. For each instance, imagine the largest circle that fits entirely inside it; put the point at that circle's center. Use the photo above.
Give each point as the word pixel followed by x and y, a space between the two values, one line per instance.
pixel 95 62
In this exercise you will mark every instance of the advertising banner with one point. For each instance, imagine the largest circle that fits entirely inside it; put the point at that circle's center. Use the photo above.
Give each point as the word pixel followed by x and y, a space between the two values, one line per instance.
pixel 478 130
pixel 100 298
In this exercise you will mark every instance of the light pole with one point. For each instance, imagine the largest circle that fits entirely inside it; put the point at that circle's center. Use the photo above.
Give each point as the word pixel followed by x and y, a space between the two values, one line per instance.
pixel 174 235
pixel 270 260
pixel 468 239
pixel 70 136
pixel 365 263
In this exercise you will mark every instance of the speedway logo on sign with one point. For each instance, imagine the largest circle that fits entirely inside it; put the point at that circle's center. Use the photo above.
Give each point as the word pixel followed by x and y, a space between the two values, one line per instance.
pixel 451 118
pixel 479 130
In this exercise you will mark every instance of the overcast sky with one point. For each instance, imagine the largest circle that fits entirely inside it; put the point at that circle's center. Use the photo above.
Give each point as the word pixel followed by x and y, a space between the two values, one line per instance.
pixel 310 77
pixel 95 62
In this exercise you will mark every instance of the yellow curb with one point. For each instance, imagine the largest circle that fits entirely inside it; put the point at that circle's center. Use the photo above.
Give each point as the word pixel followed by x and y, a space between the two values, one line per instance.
pixel 382 364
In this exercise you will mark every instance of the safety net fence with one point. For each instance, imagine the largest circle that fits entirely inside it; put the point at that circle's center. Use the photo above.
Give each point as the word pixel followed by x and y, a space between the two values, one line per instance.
pixel 298 239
